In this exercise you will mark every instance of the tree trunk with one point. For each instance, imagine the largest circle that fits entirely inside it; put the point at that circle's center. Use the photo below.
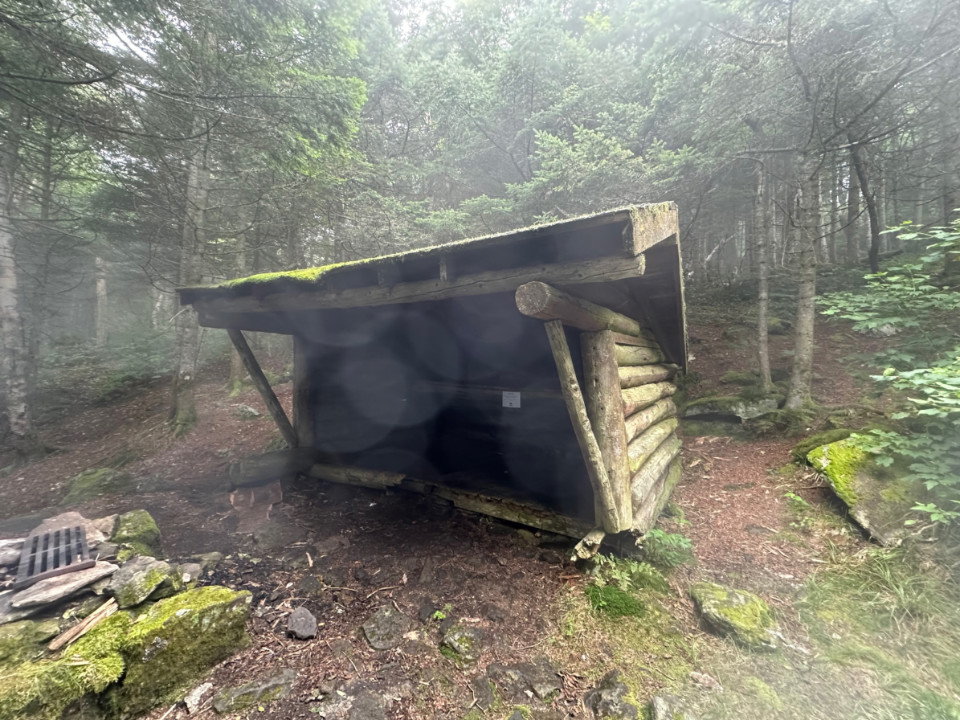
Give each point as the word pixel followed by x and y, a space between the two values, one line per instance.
pixel 183 413
pixel 762 229
pixel 237 371
pixel 853 211
pixel 807 223
pixel 101 306
pixel 870 199
pixel 12 338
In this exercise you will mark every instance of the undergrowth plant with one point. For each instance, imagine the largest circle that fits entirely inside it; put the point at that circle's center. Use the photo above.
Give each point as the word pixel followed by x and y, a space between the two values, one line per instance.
pixel 920 301
pixel 667 550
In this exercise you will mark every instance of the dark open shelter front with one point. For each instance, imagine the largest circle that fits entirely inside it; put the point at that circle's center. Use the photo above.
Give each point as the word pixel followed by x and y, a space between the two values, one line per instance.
pixel 524 375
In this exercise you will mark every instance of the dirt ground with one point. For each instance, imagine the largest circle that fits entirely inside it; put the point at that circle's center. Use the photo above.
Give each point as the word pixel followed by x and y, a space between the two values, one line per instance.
pixel 344 552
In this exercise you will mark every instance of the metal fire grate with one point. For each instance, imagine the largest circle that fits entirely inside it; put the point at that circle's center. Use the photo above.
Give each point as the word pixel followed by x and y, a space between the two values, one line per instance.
pixel 52 553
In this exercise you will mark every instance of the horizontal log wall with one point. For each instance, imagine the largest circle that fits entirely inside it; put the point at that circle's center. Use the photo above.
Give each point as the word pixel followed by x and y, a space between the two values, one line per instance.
pixel 653 452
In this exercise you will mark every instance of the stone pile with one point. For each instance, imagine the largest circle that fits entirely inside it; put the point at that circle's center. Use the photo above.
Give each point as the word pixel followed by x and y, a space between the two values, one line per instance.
pixel 156 631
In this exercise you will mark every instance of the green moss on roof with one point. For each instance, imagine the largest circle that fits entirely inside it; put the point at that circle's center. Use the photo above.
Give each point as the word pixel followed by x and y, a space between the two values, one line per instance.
pixel 309 277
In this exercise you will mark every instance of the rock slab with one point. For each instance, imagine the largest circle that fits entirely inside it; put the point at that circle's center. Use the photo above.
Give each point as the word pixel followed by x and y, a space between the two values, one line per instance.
pixel 265 689
pixel 737 614
pixel 141 578
pixel 385 629
pixel 137 533
pixel 465 644
pixel 54 589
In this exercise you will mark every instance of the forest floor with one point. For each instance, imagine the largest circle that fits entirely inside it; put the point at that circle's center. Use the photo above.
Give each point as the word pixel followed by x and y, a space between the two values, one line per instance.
pixel 868 633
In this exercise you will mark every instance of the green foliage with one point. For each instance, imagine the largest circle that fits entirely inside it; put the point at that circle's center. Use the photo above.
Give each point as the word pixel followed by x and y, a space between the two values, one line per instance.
pixel 667 550
pixel 614 602
pixel 629 575
pixel 920 298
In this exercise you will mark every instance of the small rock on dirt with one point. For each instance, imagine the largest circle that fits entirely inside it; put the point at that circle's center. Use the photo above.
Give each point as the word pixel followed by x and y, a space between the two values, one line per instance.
pixel 385 629
pixel 195 698
pixel 301 624
pixel 667 707
pixel 493 612
pixel 607 699
pixel 464 642
pixel 541 677
pixel 278 532
pixel 428 609
pixel 309 585
pixel 332 544
pixel 482 692
pixel 740 615
pixel 245 412
pixel 272 687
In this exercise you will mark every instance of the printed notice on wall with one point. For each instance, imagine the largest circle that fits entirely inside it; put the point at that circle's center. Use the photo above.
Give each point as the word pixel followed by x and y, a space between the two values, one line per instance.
pixel 511 399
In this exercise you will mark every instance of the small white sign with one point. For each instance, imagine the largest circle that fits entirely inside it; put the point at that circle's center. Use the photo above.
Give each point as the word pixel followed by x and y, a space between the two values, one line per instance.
pixel 511 399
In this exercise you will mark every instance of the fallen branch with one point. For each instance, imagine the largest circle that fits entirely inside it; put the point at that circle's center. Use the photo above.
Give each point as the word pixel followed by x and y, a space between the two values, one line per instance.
pixel 84 626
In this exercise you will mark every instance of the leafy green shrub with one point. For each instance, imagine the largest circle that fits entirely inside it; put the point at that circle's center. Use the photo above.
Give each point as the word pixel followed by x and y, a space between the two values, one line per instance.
pixel 667 550
pixel 630 575
pixel 920 299
pixel 611 600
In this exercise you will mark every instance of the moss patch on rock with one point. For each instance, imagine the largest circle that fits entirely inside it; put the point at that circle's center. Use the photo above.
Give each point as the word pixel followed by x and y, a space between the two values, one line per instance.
pixel 137 533
pixel 740 615
pixel 736 405
pixel 93 483
pixel 23 640
pixel 42 690
pixel 174 642
pixel 839 463
pixel 802 449
pixel 611 600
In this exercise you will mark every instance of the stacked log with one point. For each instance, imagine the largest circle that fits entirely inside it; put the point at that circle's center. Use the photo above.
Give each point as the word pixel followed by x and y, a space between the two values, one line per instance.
pixel 624 418
pixel 651 423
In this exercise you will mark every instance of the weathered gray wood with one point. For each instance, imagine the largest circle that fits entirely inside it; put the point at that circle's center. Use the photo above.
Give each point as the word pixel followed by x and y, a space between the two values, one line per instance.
pixel 585 271
pixel 355 476
pixel 628 356
pixel 609 518
pixel 605 409
pixel 653 224
pixel 645 374
pixel 505 509
pixel 640 397
pixel 642 419
pixel 258 469
pixel 658 497
pixel 263 387
pixel 647 476
pixel 545 302
pixel 644 446
pixel 303 394
pixel 589 546
pixel 644 339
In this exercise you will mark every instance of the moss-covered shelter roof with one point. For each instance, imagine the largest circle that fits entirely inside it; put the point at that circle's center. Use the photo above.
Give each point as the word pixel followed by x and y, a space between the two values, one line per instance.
pixel 628 256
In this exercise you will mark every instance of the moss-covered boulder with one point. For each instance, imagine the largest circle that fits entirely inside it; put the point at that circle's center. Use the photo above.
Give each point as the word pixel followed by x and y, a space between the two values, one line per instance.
pixel 93 483
pixel 142 578
pixel 44 689
pixel 737 614
pixel 879 499
pixel 136 533
pixel 24 640
pixel 174 642
pixel 737 406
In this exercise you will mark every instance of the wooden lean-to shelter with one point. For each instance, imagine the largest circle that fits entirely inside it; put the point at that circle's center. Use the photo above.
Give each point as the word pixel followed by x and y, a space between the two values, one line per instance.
pixel 525 375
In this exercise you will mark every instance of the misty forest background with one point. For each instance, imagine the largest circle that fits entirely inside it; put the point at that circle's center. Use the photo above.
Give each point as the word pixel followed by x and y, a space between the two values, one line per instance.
pixel 154 144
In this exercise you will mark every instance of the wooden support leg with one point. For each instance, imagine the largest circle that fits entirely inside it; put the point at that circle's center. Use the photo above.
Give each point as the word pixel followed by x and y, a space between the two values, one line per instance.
pixel 263 387
pixel 609 518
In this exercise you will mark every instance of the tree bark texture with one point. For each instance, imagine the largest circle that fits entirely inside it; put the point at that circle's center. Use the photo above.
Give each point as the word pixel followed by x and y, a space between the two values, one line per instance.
pixel 853 213
pixel 609 518
pixel 807 223
pixel 762 229
pixel 605 409
pixel 870 200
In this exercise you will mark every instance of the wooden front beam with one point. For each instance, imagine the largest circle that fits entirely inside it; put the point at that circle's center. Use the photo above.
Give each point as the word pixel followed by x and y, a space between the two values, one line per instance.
pixel 502 508
pixel 607 510
pixel 584 271
pixel 539 300
pixel 263 387
pixel 605 409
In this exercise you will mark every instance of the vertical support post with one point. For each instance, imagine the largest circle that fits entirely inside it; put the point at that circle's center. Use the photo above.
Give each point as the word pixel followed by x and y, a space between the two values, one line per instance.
pixel 608 514
pixel 605 409
pixel 263 387
pixel 303 393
